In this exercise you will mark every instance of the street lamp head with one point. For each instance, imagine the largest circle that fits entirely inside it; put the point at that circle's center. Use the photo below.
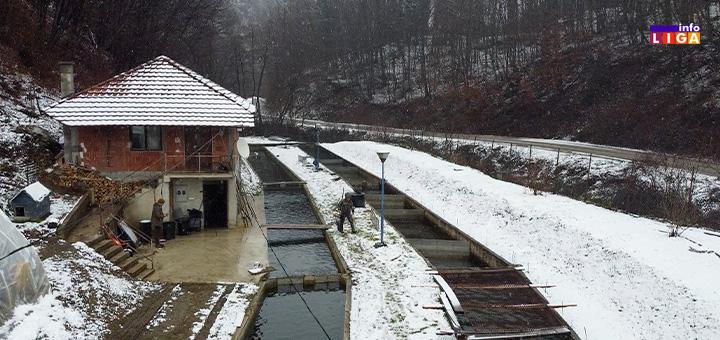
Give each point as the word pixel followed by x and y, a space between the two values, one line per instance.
pixel 383 155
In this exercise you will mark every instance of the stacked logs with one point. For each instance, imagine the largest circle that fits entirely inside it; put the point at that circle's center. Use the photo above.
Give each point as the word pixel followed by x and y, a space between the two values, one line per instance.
pixel 78 179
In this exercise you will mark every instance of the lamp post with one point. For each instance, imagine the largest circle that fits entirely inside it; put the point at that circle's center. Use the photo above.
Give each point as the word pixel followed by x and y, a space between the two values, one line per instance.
pixel 383 155
pixel 317 146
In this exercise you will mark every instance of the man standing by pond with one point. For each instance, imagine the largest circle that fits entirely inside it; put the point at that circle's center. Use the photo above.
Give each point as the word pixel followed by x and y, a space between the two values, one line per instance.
pixel 156 220
pixel 346 210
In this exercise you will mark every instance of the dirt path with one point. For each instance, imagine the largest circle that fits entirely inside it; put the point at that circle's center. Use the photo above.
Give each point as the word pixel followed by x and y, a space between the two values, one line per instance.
pixel 187 311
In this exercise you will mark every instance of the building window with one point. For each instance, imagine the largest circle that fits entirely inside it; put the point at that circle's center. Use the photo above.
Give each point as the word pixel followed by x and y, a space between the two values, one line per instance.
pixel 146 138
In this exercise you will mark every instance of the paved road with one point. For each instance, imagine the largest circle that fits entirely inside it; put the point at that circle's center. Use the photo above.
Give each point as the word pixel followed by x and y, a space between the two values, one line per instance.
pixel 702 167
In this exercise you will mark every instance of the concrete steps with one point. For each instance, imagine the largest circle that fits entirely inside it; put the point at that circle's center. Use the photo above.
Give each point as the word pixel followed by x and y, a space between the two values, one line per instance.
pixel 344 170
pixel 388 197
pixel 144 275
pixel 111 252
pixel 441 247
pixel 120 257
pixel 391 201
pixel 137 269
pixel 128 263
pixel 103 245
pixel 115 254
pixel 405 214
pixel 334 161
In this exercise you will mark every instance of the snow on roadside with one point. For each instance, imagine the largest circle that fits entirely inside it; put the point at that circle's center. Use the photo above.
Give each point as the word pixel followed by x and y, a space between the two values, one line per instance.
pixel 384 303
pixel 231 315
pixel 629 279
pixel 703 185
pixel 88 292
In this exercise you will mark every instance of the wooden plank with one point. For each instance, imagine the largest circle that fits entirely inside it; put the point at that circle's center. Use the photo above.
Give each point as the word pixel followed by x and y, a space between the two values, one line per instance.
pixel 296 226
pixel 433 307
pixel 454 322
pixel 450 294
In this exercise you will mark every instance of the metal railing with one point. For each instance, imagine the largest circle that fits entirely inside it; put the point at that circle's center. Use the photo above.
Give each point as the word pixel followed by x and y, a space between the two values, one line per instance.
pixel 198 163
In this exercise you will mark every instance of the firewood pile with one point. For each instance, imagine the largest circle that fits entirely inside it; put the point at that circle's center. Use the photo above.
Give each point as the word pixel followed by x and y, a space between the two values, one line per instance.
pixel 78 179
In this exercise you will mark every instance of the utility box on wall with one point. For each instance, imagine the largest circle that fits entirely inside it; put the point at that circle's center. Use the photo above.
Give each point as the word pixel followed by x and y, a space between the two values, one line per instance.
pixel 181 193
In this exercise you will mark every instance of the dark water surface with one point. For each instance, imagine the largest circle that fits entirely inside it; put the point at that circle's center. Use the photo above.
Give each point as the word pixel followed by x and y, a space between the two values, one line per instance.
pixel 301 252
pixel 288 207
pixel 266 168
pixel 284 316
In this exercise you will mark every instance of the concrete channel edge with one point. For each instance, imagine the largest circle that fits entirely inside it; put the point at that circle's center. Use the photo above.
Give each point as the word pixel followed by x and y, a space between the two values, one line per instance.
pixel 345 275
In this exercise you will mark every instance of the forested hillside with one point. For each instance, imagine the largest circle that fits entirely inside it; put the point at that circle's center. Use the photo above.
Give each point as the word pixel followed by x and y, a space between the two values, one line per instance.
pixel 572 69
pixel 550 68
pixel 102 37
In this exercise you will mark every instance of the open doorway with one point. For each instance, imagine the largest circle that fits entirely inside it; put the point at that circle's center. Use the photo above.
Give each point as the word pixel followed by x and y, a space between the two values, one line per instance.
pixel 215 204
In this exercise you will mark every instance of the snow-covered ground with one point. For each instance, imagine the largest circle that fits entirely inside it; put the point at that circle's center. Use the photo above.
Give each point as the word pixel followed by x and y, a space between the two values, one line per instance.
pixel 384 303
pixel 88 292
pixel 629 279
pixel 232 313
pixel 703 185
pixel 251 183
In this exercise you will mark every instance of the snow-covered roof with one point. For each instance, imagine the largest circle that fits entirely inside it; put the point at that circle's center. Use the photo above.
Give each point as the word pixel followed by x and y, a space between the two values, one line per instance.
pixel 36 191
pixel 159 92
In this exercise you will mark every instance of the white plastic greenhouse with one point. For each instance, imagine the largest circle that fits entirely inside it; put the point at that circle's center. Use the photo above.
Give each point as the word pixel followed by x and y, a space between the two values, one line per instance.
pixel 22 276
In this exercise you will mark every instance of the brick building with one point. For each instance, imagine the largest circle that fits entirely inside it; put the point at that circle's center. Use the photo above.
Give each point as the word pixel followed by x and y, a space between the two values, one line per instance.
pixel 159 122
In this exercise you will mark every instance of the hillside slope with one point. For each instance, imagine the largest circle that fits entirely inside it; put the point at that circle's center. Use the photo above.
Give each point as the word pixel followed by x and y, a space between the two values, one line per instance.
pixel 29 140
pixel 661 98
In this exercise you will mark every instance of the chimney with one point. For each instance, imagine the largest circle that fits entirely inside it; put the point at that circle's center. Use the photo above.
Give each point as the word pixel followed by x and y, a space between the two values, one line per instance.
pixel 67 78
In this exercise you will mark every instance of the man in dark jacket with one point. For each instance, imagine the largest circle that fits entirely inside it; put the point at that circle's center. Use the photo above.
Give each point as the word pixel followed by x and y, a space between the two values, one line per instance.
pixel 346 210
pixel 156 220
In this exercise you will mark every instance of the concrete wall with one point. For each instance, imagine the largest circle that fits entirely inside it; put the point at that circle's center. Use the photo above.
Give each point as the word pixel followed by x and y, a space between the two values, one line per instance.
pixel 71 220
pixel 140 207
pixel 476 249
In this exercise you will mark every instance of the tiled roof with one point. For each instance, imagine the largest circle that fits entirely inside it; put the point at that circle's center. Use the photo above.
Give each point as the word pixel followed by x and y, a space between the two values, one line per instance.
pixel 159 92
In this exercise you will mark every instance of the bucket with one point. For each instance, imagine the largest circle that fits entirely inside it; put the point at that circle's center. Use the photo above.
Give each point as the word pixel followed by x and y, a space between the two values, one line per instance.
pixel 358 200
pixel 168 230
pixel 145 228
pixel 183 226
